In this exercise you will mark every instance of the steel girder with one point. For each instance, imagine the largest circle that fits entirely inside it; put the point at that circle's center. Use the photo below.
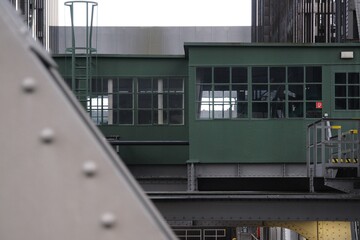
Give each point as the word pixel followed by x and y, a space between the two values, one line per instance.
pixel 59 178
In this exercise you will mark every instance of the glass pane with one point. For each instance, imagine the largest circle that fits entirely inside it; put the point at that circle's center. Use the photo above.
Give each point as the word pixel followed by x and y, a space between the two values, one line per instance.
pixel 203 75
pixel 353 103
pixel 160 85
pixel 160 101
pixel 175 101
pixel 144 84
pixel 222 110
pixel 277 110
pixel 340 91
pixel 340 78
pixel 221 96
pixel 295 74
pixel 144 101
pixel 96 85
pixel 260 92
pixel 176 84
pixel 340 103
pixel 311 111
pixel 277 74
pixel 277 92
pixel 239 110
pixel 205 110
pixel 125 85
pixel 125 117
pixel 296 109
pixel 144 117
pixel 160 117
pixel 221 75
pixel 313 92
pixel 296 92
pixel 239 75
pixel 239 93
pixel 115 100
pixel 313 74
pixel 353 78
pixel 259 110
pixel 115 115
pixel 176 117
pixel 259 75
pixel 221 88
pixel 353 91
pixel 125 101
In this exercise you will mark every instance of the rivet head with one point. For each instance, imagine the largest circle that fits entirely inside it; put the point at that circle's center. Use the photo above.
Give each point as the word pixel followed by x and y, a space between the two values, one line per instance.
pixel 89 168
pixel 108 220
pixel 47 135
pixel 29 85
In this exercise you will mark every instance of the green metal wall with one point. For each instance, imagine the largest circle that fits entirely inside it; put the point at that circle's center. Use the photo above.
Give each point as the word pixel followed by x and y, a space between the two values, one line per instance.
pixel 224 140
pixel 261 140
pixel 142 66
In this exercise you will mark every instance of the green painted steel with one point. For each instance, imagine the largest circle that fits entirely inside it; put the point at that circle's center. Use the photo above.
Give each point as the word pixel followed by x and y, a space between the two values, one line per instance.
pixel 225 140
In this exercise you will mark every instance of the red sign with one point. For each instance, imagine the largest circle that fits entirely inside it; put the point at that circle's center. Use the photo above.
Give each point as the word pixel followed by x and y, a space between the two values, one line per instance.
pixel 318 105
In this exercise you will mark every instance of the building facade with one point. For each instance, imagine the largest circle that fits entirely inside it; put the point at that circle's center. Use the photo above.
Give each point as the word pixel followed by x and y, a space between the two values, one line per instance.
pixel 305 21
pixel 38 15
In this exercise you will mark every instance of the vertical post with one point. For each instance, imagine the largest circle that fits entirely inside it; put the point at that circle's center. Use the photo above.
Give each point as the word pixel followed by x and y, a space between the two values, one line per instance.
pixel 315 144
pixel 323 126
pixel 192 184
pixel 357 154
pixel 110 101
pixel 160 101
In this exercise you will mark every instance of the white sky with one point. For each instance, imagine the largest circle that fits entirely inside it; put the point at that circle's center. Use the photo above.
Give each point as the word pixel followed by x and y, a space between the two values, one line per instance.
pixel 163 13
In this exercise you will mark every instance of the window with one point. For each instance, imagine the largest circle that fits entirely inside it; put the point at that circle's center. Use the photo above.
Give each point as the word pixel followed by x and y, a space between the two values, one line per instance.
pixel 221 92
pixel 111 101
pixel 313 91
pixel 347 92
pixel 160 101
pixel 155 101
pixel 276 92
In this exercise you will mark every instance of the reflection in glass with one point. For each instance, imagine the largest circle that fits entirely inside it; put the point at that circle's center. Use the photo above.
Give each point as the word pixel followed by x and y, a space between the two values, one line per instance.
pixel 260 92
pixel 354 103
pixel 239 75
pixel 277 74
pixel 340 78
pixel 221 75
pixel 296 92
pixel 277 109
pixel 260 110
pixel 313 74
pixel 312 111
pixel 295 74
pixel 203 75
pixel 353 78
pixel 259 75
pixel 313 92
pixel 296 109
pixel 340 103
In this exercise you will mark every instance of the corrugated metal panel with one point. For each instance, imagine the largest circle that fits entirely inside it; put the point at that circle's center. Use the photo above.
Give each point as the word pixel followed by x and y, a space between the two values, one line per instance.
pixel 147 40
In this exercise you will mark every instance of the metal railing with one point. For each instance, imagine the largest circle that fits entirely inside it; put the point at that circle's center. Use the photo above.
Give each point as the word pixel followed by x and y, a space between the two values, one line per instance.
pixel 332 145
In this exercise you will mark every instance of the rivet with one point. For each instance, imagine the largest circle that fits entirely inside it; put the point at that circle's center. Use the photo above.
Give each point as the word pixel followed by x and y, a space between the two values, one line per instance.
pixel 89 168
pixel 29 85
pixel 47 135
pixel 108 220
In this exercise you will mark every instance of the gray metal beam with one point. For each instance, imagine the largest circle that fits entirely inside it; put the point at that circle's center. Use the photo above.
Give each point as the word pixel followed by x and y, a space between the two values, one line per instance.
pixel 59 178
pixel 227 208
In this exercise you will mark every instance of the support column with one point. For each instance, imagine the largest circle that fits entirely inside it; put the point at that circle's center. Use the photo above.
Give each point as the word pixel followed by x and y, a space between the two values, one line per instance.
pixel 160 101
pixel 110 101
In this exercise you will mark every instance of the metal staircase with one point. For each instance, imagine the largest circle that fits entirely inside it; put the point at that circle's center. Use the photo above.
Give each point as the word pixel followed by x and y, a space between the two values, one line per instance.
pixel 333 154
